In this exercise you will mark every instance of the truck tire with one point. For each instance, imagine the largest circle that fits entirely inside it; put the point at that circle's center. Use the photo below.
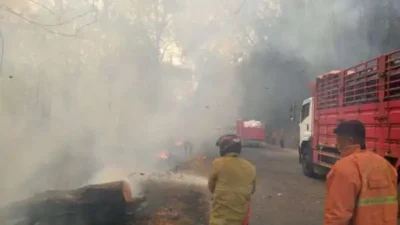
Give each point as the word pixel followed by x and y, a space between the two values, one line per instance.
pixel 300 156
pixel 307 164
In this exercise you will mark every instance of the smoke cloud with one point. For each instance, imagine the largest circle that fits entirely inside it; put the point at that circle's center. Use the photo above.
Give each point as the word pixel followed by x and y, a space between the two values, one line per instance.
pixel 87 88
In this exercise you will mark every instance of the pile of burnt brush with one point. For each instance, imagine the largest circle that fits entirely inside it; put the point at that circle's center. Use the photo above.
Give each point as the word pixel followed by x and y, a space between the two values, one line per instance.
pixel 112 203
pixel 164 201
pixel 174 203
pixel 170 202
pixel 108 203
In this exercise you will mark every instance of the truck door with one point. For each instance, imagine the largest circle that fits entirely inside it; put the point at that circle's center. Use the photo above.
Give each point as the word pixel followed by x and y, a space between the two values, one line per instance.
pixel 305 120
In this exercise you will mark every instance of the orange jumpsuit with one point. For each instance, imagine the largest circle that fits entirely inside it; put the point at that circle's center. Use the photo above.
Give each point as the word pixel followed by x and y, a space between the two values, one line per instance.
pixel 361 190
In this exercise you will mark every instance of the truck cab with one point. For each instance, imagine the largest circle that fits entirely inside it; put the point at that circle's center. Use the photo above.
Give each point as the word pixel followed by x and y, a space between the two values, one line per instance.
pixel 305 128
pixel 305 137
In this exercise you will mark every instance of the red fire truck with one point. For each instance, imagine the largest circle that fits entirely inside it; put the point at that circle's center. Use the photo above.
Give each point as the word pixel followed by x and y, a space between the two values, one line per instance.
pixel 369 92
pixel 251 132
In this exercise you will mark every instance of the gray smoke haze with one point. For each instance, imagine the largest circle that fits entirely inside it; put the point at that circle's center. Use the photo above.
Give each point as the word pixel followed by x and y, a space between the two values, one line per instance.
pixel 98 104
pixel 113 87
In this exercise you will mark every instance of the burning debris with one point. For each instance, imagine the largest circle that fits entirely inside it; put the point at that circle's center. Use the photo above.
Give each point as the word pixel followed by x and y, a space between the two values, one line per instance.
pixel 174 203
pixel 180 197
pixel 166 198
pixel 163 155
pixel 93 204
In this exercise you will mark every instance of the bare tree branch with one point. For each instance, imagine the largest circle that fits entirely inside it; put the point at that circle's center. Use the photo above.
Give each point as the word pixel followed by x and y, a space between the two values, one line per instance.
pixel 158 28
pixel 240 7
pixel 43 6
pixel 141 23
pixel 165 49
pixel 87 24
pixel 95 19
pixel 58 33
pixel 46 26
pixel 145 33
pixel 161 29
pixel 22 16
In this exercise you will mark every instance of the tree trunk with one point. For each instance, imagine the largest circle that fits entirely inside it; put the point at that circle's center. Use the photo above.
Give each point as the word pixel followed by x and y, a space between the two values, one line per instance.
pixel 94 204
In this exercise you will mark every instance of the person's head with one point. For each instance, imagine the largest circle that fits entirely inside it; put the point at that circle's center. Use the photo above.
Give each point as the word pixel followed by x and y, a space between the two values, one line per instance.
pixel 350 132
pixel 229 143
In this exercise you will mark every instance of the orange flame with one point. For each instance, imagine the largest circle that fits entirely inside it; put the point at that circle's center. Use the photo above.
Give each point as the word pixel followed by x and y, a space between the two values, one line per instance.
pixel 163 155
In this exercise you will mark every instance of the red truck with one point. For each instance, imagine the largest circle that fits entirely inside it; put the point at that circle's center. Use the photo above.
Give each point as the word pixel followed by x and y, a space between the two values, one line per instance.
pixel 251 132
pixel 369 92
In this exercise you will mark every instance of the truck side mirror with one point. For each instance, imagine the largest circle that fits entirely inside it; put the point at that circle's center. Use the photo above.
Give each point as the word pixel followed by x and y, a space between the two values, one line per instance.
pixel 292 112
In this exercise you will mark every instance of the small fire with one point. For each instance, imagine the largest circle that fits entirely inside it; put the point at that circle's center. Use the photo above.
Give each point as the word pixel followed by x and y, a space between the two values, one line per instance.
pixel 163 155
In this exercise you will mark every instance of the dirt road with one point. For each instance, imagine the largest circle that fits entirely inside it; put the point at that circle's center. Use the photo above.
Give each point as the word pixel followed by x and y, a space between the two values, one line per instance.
pixel 284 195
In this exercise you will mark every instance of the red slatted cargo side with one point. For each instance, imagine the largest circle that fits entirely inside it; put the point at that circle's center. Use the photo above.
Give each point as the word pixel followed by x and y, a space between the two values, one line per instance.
pixel 369 92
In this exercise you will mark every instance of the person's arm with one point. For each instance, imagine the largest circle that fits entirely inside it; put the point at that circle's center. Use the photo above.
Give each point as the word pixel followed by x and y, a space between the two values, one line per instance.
pixel 212 178
pixel 341 196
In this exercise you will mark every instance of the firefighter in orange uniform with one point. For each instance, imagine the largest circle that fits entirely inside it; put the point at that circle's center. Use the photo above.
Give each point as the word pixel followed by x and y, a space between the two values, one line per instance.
pixel 232 182
pixel 361 186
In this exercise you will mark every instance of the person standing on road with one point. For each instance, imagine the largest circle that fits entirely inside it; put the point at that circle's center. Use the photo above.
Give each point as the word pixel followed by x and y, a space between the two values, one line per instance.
pixel 187 145
pixel 361 186
pixel 232 182
pixel 274 137
pixel 282 139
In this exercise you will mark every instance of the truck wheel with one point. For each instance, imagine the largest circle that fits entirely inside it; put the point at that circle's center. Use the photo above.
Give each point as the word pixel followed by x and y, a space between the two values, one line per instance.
pixel 300 156
pixel 307 165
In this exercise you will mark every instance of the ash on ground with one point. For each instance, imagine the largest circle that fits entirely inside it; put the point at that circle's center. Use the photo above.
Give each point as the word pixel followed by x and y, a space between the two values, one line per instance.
pixel 175 198
pixel 173 203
